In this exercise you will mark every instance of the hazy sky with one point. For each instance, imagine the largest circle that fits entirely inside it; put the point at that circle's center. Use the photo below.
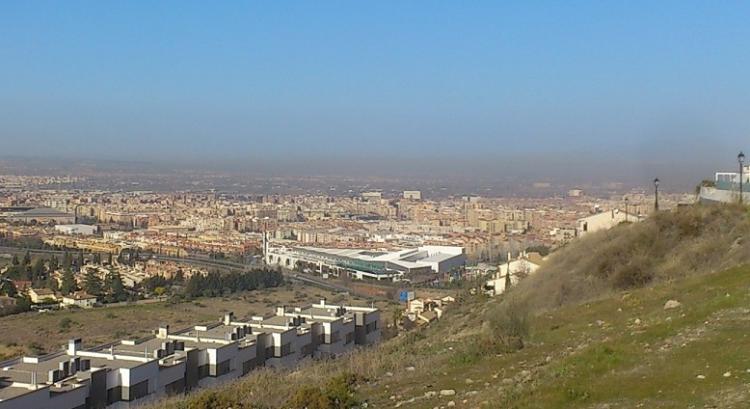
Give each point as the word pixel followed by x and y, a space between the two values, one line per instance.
pixel 664 81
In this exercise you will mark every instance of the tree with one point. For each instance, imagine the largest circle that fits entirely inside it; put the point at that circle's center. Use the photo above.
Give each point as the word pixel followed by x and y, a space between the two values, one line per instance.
pixel 540 248
pixel 15 261
pixel 80 259
pixel 92 284
pixel 67 260
pixel 15 272
pixel 8 288
pixel 115 288
pixel 68 284
pixel 23 303
pixel 38 270
pixel 97 258
pixel 51 283
pixel 54 264
pixel 27 258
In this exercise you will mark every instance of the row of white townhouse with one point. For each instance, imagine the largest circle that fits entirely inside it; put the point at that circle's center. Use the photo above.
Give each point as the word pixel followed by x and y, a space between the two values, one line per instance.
pixel 129 373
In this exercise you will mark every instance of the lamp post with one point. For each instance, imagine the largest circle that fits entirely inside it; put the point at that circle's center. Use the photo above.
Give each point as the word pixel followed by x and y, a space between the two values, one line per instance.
pixel 656 194
pixel 741 161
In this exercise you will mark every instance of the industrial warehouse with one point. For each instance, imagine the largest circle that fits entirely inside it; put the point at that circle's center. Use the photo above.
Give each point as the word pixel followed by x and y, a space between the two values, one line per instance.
pixel 368 264
pixel 130 372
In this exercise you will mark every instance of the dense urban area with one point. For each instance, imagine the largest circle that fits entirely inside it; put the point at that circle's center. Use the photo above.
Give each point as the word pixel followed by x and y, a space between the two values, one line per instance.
pixel 336 272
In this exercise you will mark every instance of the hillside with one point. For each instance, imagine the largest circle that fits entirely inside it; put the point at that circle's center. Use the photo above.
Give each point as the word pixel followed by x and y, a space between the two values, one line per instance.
pixel 33 332
pixel 589 331
pixel 668 246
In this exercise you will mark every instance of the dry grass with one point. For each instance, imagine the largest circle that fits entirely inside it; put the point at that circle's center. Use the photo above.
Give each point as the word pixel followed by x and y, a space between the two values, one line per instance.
pixel 686 241
pixel 48 331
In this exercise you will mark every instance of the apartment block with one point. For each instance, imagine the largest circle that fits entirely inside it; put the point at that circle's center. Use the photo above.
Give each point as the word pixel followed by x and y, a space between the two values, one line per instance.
pixel 128 373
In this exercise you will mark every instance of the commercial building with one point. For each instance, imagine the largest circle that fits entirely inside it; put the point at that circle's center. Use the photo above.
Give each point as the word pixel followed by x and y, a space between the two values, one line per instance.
pixel 40 215
pixel 371 264
pixel 575 192
pixel 412 195
pixel 129 373
pixel 82 229
pixel 372 195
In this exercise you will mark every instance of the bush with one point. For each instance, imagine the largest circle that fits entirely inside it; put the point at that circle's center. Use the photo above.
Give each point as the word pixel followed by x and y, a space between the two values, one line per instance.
pixel 338 393
pixel 36 348
pixel 308 398
pixel 508 327
pixel 212 400
pixel 65 324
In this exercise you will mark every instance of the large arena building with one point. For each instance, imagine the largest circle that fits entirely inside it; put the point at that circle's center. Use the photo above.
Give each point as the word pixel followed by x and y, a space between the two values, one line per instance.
pixel 371 264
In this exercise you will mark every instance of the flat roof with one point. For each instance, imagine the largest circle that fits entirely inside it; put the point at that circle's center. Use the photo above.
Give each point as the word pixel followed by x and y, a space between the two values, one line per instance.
pixel 134 353
pixel 9 392
pixel 43 211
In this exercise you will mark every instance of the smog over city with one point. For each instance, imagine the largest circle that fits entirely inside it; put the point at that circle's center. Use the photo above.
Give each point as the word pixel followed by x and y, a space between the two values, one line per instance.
pixel 350 205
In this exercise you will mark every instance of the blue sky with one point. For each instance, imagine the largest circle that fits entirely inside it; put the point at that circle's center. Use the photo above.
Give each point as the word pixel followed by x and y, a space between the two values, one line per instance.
pixel 647 80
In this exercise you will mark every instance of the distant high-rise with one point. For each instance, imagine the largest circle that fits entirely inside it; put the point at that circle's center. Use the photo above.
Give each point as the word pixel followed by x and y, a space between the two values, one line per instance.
pixel 372 195
pixel 412 194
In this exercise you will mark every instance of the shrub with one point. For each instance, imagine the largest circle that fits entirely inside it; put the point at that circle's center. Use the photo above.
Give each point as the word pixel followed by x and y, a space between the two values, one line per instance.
pixel 36 348
pixel 509 325
pixel 308 397
pixel 65 324
pixel 338 393
pixel 212 400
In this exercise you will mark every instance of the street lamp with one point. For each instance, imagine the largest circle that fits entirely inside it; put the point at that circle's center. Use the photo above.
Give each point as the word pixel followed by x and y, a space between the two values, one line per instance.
pixel 741 160
pixel 656 194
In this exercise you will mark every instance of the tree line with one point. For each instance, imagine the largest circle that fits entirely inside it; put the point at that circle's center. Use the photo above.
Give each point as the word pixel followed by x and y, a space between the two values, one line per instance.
pixel 40 272
pixel 213 284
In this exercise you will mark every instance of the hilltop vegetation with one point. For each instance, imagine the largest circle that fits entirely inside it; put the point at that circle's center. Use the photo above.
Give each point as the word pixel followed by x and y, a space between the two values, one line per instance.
pixel 590 330
pixel 666 247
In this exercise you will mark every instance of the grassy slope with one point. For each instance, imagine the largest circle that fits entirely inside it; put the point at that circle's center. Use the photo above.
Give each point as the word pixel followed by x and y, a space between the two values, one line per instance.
pixel 584 348
pixel 669 246
pixel 594 355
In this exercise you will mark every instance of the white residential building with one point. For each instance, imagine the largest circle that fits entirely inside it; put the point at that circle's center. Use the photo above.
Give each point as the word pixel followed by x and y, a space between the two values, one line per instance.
pixel 603 221
pixel 130 373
